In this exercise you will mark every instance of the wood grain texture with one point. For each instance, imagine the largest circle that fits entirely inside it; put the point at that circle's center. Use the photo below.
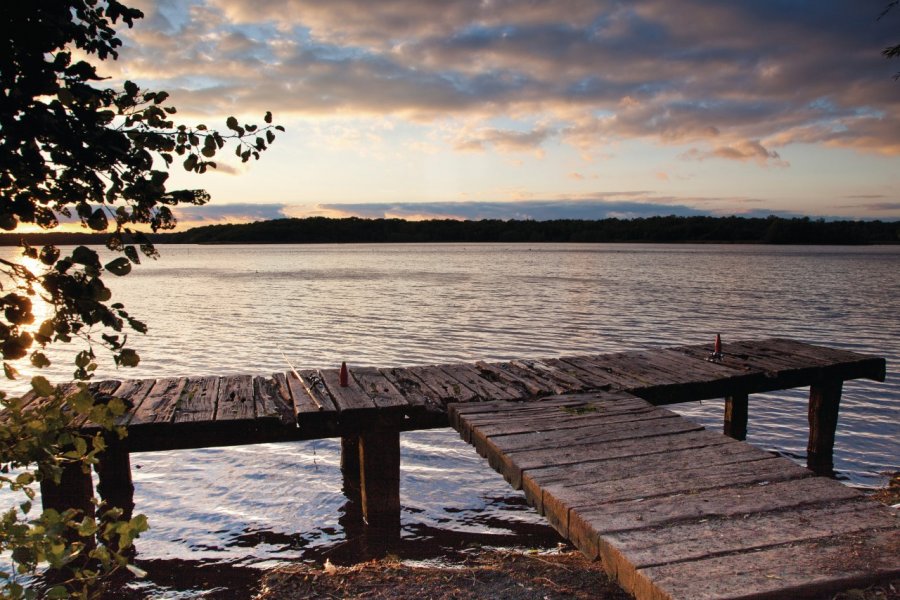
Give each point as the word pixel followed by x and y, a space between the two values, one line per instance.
pixel 198 400
pixel 160 403
pixel 236 401
pixel 379 388
pixel 670 508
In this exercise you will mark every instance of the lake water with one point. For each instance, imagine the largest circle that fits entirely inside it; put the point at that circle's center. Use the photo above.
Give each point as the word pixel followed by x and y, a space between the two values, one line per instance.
pixel 217 513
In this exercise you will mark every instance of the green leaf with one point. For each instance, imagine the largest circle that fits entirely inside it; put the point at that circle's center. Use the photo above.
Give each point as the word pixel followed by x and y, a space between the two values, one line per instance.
pixel 128 358
pixel 39 360
pixel 58 592
pixel 270 137
pixel 119 267
pixel 41 386
pixel 49 254
pixel 190 162
pixel 98 220
pixel 268 117
pixel 132 254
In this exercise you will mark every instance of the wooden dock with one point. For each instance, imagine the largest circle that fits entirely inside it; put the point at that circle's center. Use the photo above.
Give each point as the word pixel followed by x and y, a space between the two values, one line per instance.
pixel 370 408
pixel 675 511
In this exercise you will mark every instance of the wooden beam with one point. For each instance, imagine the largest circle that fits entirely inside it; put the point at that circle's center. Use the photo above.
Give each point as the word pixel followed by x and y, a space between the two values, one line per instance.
pixel 824 403
pixel 379 456
pixel 736 416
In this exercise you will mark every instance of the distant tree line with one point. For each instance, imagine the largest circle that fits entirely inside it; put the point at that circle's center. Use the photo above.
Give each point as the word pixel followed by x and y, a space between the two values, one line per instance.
pixel 671 229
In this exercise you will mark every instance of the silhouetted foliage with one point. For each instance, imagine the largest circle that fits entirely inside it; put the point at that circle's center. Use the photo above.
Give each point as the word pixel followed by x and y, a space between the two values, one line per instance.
pixel 891 51
pixel 70 146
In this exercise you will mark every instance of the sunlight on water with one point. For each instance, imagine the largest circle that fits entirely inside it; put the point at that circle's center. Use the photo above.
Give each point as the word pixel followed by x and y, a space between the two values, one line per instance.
pixel 229 309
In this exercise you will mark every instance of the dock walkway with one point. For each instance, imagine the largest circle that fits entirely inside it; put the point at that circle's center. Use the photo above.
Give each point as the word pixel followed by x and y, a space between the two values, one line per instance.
pixel 675 511
pixel 674 508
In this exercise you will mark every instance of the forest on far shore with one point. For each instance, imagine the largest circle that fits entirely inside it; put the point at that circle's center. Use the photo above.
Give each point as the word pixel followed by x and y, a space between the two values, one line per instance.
pixel 671 229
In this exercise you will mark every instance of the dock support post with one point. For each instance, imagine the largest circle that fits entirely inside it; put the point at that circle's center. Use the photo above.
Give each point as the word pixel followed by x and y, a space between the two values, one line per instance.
pixel 114 473
pixel 350 462
pixel 379 458
pixel 736 416
pixel 74 490
pixel 824 403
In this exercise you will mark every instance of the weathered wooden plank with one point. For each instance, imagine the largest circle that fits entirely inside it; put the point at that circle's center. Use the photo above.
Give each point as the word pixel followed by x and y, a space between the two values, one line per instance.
pixel 383 393
pixel 413 390
pixel 523 414
pixel 301 401
pixel 588 378
pixel 586 433
pixel 472 379
pixel 840 363
pixel 103 392
pixel 674 461
pixel 510 463
pixel 160 403
pixel 560 499
pixel 569 417
pixel 606 370
pixel 748 363
pixel 587 525
pixel 133 392
pixel 513 387
pixel 680 361
pixel 236 399
pixel 447 388
pixel 564 381
pixel 315 388
pixel 272 401
pixel 198 400
pixel 529 384
pixel 703 538
pixel 543 381
pixel 644 366
pixel 792 571
pixel 349 399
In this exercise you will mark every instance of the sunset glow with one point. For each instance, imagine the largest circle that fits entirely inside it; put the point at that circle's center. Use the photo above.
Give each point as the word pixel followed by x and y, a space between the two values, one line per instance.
pixel 576 109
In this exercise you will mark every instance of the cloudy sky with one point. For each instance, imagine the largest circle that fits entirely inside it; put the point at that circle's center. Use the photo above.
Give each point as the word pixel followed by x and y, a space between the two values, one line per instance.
pixel 529 109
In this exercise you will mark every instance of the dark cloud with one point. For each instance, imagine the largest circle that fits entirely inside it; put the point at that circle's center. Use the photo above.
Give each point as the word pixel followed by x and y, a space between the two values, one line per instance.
pixel 722 76
pixel 236 213
pixel 538 210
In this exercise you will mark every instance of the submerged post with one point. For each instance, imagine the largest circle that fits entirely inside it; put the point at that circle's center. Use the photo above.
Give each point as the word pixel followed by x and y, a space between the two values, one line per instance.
pixel 74 490
pixel 824 403
pixel 350 462
pixel 379 457
pixel 115 486
pixel 736 416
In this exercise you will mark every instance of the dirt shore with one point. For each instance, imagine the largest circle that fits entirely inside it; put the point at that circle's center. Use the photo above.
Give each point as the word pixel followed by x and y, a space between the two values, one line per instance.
pixel 500 574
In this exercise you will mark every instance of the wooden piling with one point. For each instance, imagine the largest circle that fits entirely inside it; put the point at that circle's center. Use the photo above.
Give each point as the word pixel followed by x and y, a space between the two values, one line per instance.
pixel 115 486
pixel 350 461
pixel 736 416
pixel 379 454
pixel 824 403
pixel 74 490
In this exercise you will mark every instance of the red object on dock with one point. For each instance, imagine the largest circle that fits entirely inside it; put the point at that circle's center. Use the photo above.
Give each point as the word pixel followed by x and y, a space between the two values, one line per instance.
pixel 344 375
pixel 717 349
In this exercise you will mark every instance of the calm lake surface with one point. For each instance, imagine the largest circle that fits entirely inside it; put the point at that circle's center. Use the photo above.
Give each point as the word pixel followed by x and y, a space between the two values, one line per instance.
pixel 243 309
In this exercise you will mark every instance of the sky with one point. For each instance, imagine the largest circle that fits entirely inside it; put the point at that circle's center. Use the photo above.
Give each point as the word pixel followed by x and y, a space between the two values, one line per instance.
pixel 528 109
